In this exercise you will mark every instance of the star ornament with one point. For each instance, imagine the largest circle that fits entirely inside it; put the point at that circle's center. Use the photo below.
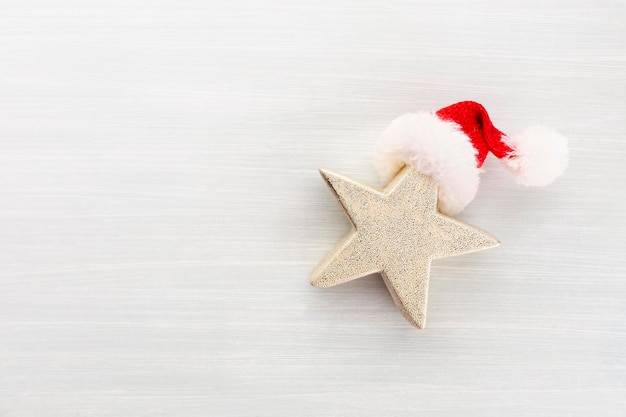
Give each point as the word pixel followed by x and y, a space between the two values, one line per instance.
pixel 396 232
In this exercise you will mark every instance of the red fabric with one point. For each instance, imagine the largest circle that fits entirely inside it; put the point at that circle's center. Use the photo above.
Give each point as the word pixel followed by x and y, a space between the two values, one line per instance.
pixel 475 123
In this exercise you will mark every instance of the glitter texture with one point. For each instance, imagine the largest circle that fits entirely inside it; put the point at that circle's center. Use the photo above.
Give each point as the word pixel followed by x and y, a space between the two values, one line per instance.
pixel 396 232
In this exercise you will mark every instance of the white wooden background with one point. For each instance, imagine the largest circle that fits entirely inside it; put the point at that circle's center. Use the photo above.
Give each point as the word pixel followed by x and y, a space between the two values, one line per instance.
pixel 160 209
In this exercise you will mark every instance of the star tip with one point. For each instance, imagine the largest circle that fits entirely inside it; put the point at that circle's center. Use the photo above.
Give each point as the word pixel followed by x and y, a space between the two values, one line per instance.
pixel 315 282
pixel 420 324
pixel 326 173
pixel 490 241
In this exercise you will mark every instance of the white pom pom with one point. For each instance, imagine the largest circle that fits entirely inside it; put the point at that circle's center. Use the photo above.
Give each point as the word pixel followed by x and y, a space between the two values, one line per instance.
pixel 434 147
pixel 540 155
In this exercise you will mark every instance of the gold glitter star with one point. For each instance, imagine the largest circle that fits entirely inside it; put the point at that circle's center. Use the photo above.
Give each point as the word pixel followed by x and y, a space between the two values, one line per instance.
pixel 396 232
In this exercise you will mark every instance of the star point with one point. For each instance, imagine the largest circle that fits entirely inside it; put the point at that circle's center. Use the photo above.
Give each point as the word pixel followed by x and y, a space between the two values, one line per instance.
pixel 396 232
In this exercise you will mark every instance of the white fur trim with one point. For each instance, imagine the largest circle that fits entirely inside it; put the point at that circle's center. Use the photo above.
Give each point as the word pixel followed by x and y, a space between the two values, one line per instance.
pixel 434 147
pixel 539 155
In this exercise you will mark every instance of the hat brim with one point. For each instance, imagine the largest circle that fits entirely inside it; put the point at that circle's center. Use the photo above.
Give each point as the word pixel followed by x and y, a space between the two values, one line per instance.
pixel 436 148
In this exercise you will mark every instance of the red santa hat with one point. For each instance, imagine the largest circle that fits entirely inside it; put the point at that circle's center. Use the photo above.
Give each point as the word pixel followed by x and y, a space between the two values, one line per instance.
pixel 451 145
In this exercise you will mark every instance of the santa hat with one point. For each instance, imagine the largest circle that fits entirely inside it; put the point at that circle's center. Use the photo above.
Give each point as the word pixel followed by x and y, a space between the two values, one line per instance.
pixel 452 144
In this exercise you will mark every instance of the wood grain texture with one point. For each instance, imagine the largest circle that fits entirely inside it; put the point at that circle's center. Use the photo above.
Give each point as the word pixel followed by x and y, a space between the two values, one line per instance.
pixel 161 210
